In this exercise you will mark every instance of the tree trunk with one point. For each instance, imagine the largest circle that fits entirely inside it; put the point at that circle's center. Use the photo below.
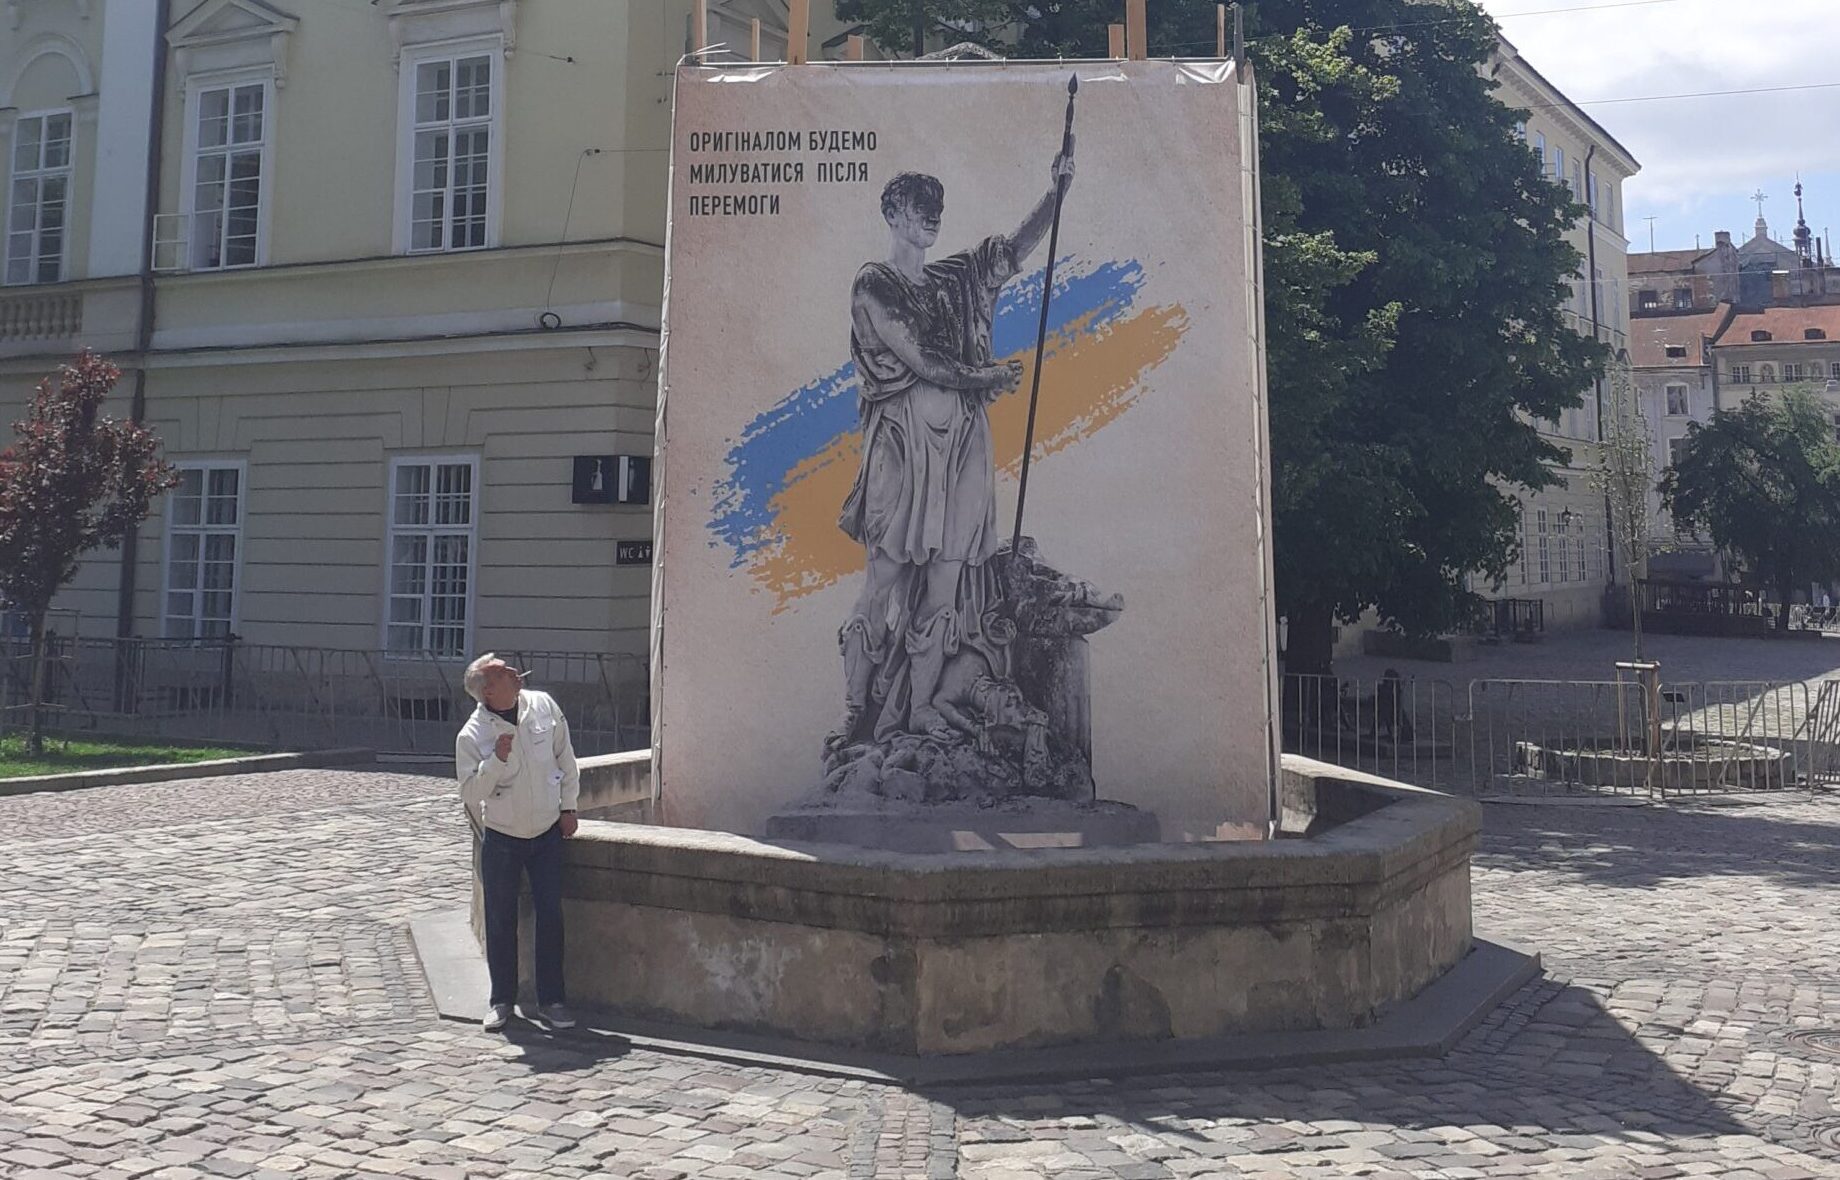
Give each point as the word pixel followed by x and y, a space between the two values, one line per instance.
pixel 1309 648
pixel 35 737
pixel 1785 590
pixel 1635 614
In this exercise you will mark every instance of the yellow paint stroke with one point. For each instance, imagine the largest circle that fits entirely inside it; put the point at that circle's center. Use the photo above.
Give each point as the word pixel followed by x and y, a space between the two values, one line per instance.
pixel 1088 378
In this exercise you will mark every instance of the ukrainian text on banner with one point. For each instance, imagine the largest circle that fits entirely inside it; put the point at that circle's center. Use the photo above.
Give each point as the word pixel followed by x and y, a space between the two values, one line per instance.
pixel 855 284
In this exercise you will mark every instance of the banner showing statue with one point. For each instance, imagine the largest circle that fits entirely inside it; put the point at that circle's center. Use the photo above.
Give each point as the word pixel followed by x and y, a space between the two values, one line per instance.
pixel 915 376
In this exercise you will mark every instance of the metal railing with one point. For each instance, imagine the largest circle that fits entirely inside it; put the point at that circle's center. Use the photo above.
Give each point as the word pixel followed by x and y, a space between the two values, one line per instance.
pixel 303 698
pixel 1635 736
pixel 1401 728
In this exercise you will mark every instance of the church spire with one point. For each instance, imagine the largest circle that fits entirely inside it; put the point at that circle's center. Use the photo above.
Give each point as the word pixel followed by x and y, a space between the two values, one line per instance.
pixel 1804 237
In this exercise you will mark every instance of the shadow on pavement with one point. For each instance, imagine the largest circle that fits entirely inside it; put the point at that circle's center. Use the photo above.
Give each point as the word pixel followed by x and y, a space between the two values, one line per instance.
pixel 1641 847
pixel 1552 1068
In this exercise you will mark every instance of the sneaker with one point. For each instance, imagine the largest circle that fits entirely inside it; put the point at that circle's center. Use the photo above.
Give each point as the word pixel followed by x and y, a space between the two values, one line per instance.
pixel 556 1016
pixel 497 1016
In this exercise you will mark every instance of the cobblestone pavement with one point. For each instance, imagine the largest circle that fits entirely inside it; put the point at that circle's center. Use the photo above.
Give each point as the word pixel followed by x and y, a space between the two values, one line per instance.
pixel 213 978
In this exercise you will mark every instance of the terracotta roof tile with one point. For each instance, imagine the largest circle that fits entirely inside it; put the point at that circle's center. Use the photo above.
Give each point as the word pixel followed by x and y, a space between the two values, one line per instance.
pixel 1650 336
pixel 1786 325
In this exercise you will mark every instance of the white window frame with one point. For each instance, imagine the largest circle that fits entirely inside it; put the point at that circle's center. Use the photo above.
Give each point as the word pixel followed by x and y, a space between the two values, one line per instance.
pixel 413 58
pixel 1834 370
pixel 1686 400
pixel 1739 373
pixel 195 86
pixel 202 529
pixel 1793 371
pixel 392 529
pixel 1544 549
pixel 69 172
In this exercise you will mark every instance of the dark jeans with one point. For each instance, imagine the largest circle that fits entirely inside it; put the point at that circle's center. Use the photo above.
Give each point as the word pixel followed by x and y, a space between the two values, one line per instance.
pixel 502 861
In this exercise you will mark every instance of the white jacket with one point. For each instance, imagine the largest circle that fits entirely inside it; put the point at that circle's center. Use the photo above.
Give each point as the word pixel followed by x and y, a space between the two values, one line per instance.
pixel 523 795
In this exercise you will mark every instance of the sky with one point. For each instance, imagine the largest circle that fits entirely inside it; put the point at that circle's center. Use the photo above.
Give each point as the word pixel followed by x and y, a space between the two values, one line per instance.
pixel 1702 157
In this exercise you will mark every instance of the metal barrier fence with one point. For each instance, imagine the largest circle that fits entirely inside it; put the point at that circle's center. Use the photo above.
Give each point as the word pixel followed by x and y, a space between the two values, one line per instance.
pixel 1404 729
pixel 1632 737
pixel 303 698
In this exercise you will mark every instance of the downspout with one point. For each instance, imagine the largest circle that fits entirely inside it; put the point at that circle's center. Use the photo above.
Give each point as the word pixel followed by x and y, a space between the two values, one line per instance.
pixel 1590 222
pixel 143 328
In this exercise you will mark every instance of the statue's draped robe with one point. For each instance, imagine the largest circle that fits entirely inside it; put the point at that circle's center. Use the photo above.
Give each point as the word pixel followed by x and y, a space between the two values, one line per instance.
pixel 926 489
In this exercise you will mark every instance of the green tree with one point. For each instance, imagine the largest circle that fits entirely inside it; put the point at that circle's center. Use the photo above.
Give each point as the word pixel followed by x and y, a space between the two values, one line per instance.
pixel 73 480
pixel 1763 481
pixel 1416 266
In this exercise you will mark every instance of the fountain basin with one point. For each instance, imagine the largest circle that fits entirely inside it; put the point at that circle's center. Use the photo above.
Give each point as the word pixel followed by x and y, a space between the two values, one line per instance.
pixel 1363 901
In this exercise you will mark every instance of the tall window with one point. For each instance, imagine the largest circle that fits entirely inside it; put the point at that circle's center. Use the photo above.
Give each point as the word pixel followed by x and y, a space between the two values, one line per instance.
pixel 1565 553
pixel 450 183
pixel 232 136
pixel 1677 403
pixel 1559 173
pixel 1676 448
pixel 1792 371
pixel 1834 371
pixel 432 510
pixel 1544 550
pixel 203 534
pixel 39 195
pixel 1740 373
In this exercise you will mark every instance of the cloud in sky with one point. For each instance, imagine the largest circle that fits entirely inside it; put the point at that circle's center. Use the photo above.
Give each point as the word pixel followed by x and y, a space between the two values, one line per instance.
pixel 1697 154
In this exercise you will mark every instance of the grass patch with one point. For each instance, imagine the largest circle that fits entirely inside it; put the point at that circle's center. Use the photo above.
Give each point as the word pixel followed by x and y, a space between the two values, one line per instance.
pixel 63 756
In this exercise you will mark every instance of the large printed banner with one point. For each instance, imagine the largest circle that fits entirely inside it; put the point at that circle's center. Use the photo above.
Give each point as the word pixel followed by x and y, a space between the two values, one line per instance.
pixel 855 286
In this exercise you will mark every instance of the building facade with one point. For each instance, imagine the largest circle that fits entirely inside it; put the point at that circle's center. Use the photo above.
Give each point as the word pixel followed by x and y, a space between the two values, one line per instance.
pixel 385 278
pixel 1677 384
pixel 1566 562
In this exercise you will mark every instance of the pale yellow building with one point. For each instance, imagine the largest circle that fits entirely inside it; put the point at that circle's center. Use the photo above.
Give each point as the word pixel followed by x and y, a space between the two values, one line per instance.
pixel 399 277
pixel 1567 561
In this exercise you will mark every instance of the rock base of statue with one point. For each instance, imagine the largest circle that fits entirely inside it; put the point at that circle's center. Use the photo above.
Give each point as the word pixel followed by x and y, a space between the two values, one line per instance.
pixel 1027 734
pixel 896 826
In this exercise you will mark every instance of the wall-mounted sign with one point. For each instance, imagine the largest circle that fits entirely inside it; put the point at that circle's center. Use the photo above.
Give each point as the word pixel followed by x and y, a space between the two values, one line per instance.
pixel 612 479
pixel 632 553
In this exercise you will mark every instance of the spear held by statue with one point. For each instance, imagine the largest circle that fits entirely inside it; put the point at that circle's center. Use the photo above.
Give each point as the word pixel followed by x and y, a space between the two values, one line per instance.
pixel 1041 332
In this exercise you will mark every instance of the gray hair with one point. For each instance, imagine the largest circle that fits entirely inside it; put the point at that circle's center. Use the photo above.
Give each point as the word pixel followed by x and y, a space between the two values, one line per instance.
pixel 475 678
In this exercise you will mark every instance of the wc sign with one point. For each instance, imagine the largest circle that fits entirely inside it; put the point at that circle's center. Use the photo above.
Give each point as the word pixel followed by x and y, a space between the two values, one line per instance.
pixel 612 479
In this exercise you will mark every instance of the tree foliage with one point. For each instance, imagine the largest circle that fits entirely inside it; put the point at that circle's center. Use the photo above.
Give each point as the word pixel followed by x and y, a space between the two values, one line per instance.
pixel 73 480
pixel 1763 481
pixel 1416 266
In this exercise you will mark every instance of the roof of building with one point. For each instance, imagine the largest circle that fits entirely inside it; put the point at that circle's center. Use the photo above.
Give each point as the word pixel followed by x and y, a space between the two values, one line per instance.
pixel 1661 261
pixel 1650 336
pixel 1786 325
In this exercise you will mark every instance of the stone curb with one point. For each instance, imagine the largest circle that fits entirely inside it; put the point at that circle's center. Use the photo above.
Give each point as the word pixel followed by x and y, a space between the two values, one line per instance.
pixel 1428 1025
pixel 173 771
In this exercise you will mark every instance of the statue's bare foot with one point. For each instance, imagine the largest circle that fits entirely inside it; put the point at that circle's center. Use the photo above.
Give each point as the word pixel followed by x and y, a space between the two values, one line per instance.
pixel 840 737
pixel 929 722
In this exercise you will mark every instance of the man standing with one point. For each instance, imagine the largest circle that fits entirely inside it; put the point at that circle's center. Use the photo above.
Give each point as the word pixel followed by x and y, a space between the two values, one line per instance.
pixel 518 776
pixel 924 504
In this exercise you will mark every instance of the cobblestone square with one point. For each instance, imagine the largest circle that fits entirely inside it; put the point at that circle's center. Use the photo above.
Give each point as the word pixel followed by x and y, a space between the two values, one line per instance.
pixel 214 978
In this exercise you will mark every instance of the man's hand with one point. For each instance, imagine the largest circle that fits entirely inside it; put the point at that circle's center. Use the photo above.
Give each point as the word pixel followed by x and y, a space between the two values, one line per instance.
pixel 569 824
pixel 503 748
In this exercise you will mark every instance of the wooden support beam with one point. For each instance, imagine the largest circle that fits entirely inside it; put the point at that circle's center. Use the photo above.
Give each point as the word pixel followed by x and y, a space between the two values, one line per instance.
pixel 1136 35
pixel 1114 35
pixel 798 31
pixel 1220 30
pixel 754 39
pixel 699 25
pixel 853 48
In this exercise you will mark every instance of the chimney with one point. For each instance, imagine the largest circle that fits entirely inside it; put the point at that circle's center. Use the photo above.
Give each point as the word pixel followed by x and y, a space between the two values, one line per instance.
pixel 1722 238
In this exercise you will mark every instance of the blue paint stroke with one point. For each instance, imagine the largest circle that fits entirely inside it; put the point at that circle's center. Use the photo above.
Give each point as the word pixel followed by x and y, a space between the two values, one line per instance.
pixel 810 419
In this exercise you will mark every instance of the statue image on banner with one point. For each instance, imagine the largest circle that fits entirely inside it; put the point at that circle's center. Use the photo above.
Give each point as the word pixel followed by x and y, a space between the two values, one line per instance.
pixel 964 662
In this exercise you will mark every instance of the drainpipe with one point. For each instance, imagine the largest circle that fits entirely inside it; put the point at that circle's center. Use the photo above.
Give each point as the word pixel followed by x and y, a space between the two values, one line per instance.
pixel 143 329
pixel 1590 222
